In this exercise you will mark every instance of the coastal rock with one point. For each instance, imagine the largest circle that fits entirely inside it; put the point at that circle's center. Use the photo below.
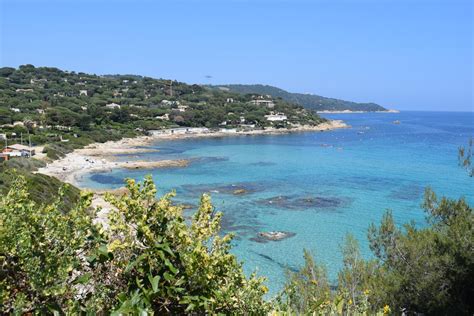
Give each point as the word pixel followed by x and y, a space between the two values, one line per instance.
pixel 154 164
pixel 263 237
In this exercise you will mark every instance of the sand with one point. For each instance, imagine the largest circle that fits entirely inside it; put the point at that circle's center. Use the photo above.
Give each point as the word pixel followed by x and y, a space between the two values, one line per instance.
pixel 99 157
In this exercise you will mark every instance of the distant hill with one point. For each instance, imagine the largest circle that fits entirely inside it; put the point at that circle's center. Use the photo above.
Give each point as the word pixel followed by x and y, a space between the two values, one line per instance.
pixel 309 101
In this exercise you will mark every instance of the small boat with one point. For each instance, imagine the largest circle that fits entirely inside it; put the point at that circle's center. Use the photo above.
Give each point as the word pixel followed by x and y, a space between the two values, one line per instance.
pixel 396 122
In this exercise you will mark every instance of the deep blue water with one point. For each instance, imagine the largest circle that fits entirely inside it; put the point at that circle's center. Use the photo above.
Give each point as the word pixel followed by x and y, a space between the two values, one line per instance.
pixel 320 186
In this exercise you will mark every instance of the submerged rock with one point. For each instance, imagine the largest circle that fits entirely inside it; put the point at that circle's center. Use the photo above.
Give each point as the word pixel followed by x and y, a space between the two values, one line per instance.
pixel 263 237
pixel 234 189
pixel 302 203
pixel 240 192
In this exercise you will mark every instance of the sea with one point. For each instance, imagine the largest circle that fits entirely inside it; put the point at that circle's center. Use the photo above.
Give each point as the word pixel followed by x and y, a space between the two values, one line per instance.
pixel 317 186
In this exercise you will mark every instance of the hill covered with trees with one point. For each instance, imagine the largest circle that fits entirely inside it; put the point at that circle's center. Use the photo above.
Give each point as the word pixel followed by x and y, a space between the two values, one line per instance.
pixel 309 101
pixel 47 98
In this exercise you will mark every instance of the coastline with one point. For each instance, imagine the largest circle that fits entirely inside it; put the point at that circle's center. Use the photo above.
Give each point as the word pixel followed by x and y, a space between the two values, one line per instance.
pixel 355 112
pixel 99 157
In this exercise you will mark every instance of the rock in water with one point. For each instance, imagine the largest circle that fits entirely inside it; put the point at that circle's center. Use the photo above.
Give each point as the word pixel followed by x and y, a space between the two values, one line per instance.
pixel 264 237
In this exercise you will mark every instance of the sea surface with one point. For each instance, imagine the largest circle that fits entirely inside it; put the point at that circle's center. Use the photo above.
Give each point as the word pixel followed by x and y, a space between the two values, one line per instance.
pixel 318 185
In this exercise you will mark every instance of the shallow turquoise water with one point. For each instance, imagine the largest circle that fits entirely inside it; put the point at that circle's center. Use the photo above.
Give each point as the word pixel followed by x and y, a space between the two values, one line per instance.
pixel 329 184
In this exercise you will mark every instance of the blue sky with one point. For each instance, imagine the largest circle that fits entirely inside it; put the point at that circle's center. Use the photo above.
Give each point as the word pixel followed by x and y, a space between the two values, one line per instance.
pixel 404 54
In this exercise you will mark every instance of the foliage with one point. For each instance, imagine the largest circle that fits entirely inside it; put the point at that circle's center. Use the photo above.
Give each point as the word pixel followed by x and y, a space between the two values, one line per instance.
pixel 52 104
pixel 41 252
pixel 429 270
pixel 172 267
pixel 308 291
pixel 41 188
pixel 146 260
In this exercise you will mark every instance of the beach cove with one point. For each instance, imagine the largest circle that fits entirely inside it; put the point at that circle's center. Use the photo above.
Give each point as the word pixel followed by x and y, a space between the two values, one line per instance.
pixel 315 186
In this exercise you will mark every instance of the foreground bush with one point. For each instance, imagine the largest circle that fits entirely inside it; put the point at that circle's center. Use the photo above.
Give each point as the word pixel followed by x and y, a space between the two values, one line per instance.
pixel 41 252
pixel 148 260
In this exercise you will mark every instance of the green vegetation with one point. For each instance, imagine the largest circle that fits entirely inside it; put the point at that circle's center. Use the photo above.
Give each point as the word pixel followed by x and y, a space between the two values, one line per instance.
pixel 67 110
pixel 151 260
pixel 148 258
pixel 50 105
pixel 42 189
pixel 309 101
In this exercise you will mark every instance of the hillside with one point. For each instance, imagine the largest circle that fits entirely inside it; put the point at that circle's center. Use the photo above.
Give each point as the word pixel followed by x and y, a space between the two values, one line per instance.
pixel 51 104
pixel 309 101
pixel 83 99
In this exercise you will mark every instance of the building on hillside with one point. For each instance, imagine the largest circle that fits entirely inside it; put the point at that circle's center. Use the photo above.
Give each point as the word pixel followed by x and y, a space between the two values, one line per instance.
pixel 16 110
pixel 276 117
pixel 268 103
pixel 83 92
pixel 182 108
pixel 113 106
pixel 181 131
pixel 164 117
pixel 18 150
pixel 230 100
pixel 168 103
pixel 3 136
pixel 24 90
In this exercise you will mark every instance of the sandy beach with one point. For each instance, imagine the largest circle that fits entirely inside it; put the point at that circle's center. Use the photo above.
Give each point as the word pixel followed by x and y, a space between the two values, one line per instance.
pixel 99 157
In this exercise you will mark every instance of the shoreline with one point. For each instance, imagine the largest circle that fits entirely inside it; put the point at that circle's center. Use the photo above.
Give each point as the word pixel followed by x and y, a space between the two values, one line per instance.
pixel 99 157
pixel 355 112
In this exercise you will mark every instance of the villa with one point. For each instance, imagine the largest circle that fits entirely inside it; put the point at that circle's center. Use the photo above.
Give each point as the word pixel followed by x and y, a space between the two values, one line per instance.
pixel 276 117
pixel 268 103
pixel 113 106
pixel 18 150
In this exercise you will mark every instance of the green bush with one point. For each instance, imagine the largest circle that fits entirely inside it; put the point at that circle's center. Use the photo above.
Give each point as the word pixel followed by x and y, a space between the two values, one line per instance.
pixel 149 260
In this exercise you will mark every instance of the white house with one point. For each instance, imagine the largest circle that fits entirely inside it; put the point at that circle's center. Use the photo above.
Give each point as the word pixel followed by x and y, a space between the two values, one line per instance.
pixel 16 110
pixel 83 92
pixel 268 103
pixel 113 106
pixel 276 117
pixel 164 117
pixel 182 108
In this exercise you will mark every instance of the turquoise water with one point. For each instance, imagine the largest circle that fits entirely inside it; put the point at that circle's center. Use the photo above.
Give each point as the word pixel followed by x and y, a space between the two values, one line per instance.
pixel 320 186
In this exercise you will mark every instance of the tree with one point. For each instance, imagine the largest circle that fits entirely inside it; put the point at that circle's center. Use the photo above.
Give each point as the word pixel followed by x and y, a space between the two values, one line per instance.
pixel 428 270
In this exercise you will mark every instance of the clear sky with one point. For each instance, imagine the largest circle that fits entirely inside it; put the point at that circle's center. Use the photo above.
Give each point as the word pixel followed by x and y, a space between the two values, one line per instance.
pixel 404 54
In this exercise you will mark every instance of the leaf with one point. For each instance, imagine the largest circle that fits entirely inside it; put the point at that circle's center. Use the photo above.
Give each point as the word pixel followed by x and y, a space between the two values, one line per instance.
pixel 83 279
pixel 170 266
pixel 132 264
pixel 154 282
pixel 168 277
